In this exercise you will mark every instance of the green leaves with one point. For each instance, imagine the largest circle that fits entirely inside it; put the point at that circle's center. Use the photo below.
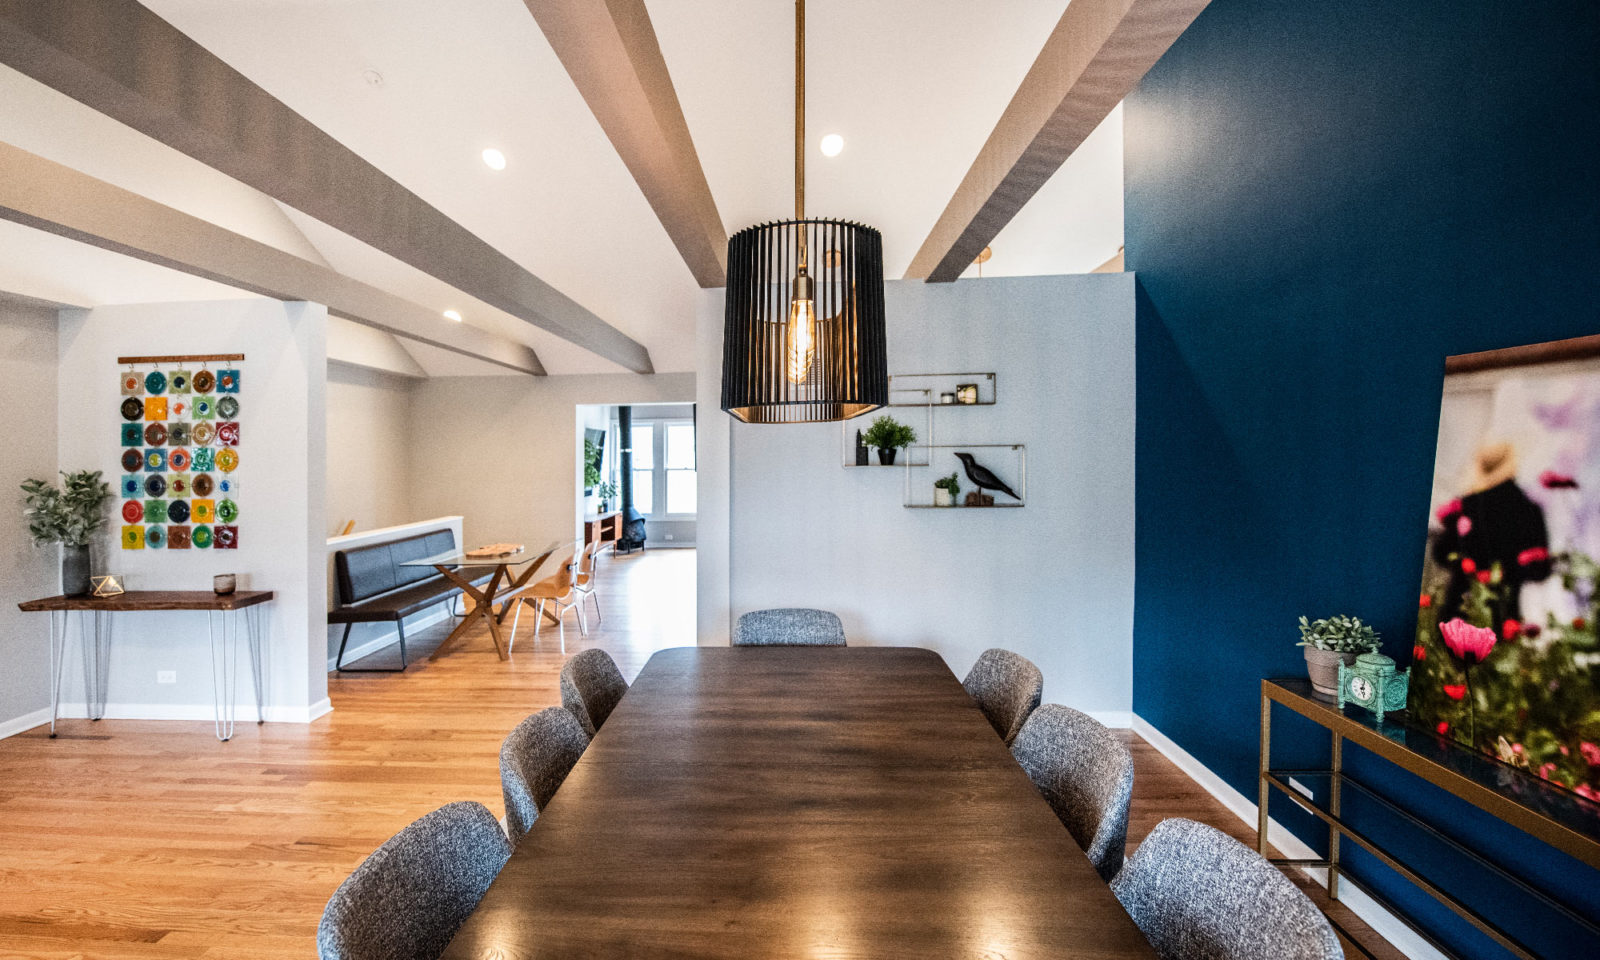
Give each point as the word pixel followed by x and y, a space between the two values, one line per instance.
pixel 1339 634
pixel 68 515
pixel 886 431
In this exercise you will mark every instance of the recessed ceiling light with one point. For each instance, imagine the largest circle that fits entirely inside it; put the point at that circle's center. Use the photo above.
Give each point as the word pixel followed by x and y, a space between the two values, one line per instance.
pixel 494 158
pixel 832 144
pixel 453 315
pixel 373 78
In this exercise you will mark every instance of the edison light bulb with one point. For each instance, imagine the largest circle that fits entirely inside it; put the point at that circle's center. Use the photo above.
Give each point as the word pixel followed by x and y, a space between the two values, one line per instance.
pixel 802 345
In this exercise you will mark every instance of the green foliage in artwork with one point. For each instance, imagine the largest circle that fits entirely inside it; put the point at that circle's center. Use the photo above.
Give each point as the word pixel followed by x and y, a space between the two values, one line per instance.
pixel 591 472
pixel 69 514
pixel 1531 702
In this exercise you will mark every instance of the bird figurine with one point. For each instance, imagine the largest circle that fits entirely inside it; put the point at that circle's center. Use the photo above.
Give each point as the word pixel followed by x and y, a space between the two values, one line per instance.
pixel 982 478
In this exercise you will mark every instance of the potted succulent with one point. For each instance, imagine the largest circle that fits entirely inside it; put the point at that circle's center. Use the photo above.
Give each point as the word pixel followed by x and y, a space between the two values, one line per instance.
pixel 945 491
pixel 1332 641
pixel 69 516
pixel 888 435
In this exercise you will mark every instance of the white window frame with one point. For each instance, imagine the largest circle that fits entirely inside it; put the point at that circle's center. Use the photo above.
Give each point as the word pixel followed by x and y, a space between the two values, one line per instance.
pixel 658 470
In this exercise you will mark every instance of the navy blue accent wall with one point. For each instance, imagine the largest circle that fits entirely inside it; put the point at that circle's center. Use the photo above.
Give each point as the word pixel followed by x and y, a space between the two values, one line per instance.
pixel 1324 200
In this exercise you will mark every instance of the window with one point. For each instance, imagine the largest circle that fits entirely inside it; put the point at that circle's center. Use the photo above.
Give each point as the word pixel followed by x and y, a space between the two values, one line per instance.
pixel 680 468
pixel 644 462
pixel 664 479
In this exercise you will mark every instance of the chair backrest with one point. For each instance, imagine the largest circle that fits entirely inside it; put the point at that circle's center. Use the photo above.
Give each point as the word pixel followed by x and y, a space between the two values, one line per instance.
pixel 410 897
pixel 1086 775
pixel 586 564
pixel 536 756
pixel 591 686
pixel 365 572
pixel 789 627
pixel 1199 894
pixel 1007 687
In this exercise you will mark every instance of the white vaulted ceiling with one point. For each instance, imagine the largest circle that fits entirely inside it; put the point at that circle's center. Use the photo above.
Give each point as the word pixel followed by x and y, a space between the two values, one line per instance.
pixel 914 87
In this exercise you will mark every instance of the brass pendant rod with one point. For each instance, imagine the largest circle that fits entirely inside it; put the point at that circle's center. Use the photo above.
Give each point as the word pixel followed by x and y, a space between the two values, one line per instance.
pixel 800 121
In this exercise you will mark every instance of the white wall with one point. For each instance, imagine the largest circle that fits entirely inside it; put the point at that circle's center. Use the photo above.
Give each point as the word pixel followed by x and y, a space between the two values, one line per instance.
pixel 281 494
pixel 1054 580
pixel 369 462
pixel 28 371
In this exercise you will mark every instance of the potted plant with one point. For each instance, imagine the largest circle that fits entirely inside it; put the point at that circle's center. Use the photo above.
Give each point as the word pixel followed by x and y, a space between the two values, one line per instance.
pixel 605 492
pixel 68 516
pixel 945 491
pixel 1330 642
pixel 888 435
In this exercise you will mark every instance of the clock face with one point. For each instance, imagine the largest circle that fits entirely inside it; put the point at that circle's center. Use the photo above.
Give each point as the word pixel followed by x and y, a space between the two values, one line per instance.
pixel 1361 688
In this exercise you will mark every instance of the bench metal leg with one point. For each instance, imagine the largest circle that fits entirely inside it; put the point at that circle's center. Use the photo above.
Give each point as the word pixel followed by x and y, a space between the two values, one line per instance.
pixel 338 662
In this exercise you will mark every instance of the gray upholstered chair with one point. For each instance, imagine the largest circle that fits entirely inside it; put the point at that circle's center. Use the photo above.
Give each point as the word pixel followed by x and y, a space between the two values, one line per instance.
pixel 1007 687
pixel 789 627
pixel 1199 894
pixel 591 686
pixel 1086 774
pixel 410 897
pixel 536 756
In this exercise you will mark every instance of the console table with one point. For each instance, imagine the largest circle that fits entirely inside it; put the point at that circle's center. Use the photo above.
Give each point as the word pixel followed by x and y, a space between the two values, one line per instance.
pixel 603 528
pixel 1558 817
pixel 97 650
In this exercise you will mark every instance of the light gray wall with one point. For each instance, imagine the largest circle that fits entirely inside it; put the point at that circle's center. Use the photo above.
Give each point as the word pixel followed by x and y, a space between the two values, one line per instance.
pixel 369 463
pixel 1054 580
pixel 28 371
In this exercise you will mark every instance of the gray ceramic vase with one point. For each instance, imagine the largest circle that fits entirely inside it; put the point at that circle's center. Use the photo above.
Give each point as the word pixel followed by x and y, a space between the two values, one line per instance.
pixel 1323 668
pixel 74 569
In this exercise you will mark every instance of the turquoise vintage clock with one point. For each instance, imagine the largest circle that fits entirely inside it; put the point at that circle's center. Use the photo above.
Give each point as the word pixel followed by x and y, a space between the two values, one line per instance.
pixel 1375 684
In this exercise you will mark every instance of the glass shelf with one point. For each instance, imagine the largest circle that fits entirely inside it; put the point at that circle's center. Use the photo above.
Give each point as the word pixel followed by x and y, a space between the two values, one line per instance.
pixel 1007 461
pixel 847 436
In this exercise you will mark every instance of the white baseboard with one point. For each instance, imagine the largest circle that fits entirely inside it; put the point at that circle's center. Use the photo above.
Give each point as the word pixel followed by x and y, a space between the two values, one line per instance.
pixel 244 713
pixel 389 638
pixel 1385 923
pixel 27 721
pixel 1115 719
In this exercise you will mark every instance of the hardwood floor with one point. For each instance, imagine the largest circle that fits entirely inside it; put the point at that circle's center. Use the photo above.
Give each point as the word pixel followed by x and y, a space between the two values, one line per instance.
pixel 130 839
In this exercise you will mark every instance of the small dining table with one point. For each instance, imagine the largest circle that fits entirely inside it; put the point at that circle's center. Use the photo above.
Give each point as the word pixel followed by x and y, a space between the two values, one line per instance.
pixel 461 568
pixel 798 802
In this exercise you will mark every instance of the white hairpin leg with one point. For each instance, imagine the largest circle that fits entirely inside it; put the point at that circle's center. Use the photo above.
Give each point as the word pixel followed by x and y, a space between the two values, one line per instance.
pixel 58 657
pixel 222 672
pixel 255 622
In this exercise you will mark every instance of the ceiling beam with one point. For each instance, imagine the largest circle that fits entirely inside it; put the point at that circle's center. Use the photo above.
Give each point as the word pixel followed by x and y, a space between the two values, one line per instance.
pixel 48 196
pixel 121 59
pixel 1094 58
pixel 611 53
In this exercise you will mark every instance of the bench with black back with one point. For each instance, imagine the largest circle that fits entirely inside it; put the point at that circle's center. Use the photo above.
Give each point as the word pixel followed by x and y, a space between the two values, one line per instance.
pixel 375 587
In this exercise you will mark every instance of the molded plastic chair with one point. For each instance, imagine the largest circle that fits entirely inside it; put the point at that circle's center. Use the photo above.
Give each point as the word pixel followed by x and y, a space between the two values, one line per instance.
pixel 1007 687
pixel 591 685
pixel 413 893
pixel 789 627
pixel 1199 894
pixel 1086 775
pixel 585 580
pixel 558 589
pixel 536 756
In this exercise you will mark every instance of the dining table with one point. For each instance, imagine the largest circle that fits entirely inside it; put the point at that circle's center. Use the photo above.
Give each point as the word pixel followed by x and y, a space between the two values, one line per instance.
pixel 798 802
pixel 464 568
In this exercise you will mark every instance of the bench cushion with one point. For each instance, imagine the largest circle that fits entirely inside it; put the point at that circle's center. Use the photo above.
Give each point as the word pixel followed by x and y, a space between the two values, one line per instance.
pixel 365 572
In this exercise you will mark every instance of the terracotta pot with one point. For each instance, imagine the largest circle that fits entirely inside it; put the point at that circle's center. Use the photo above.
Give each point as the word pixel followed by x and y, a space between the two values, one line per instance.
pixel 1322 666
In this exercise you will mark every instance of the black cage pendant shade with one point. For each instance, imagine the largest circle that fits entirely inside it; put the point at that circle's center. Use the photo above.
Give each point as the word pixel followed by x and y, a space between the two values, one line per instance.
pixel 804 339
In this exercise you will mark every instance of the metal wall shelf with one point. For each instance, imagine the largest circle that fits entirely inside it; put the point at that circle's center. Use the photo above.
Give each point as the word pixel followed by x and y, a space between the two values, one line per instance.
pixel 1008 461
pixel 931 385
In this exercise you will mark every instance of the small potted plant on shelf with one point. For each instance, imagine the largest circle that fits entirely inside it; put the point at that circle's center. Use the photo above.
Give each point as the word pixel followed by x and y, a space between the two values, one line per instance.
pixel 605 492
pixel 1330 642
pixel 945 491
pixel 888 435
pixel 68 516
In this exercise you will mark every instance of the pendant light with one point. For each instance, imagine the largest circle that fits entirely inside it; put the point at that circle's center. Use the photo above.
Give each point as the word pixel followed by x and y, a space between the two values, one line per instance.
pixel 804 339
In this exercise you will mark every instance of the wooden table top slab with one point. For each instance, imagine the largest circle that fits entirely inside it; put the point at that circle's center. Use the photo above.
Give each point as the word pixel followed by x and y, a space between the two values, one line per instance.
pixel 849 803
pixel 152 600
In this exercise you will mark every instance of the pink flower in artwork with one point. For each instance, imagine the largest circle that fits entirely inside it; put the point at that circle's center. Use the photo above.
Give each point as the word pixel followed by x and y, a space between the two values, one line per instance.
pixel 1484 576
pixel 1547 770
pixel 1443 727
pixel 1552 480
pixel 1470 643
pixel 1591 753
pixel 1586 791
pixel 1510 629
pixel 1445 512
pixel 1532 555
pixel 1455 691
pixel 1469 565
pixel 1463 525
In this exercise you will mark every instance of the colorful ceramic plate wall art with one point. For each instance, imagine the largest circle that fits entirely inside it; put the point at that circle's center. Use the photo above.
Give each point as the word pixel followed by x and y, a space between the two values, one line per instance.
pixel 202 511
pixel 178 511
pixel 227 381
pixel 205 459
pixel 155 408
pixel 132 485
pixel 155 511
pixel 226 485
pixel 228 432
pixel 155 382
pixel 202 434
pixel 228 407
pixel 178 435
pixel 133 409
pixel 155 538
pixel 177 538
pixel 155 461
pixel 205 381
pixel 155 435
pixel 178 485
pixel 227 511
pixel 133 459
pixel 132 384
pixel 201 537
pixel 203 408
pixel 133 538
pixel 178 407
pixel 178 459
pixel 155 485
pixel 178 382
pixel 132 511
pixel 203 484
pixel 227 537
pixel 227 459
pixel 132 435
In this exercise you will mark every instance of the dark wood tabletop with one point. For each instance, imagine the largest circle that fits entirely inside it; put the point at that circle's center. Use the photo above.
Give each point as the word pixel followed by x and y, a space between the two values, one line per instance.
pixel 151 600
pixel 794 802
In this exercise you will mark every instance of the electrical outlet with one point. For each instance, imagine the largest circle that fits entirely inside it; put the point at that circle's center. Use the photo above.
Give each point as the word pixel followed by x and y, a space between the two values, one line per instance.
pixel 166 676
pixel 1301 789
pixel 669 536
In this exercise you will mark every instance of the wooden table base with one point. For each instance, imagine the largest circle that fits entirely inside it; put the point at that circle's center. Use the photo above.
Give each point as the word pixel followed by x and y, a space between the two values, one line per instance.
pixel 484 600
